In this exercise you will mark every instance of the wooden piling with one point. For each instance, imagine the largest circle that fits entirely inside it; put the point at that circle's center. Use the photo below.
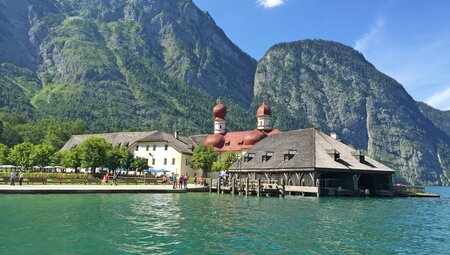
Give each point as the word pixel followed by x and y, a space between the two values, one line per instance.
pixel 283 187
pixel 233 185
pixel 259 187
pixel 218 186
pixel 247 186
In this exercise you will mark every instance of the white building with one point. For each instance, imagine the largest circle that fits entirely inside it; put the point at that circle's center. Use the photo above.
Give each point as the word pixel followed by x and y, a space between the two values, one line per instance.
pixel 162 150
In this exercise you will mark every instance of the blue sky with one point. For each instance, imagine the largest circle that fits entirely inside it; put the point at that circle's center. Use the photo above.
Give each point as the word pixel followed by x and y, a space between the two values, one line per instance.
pixel 408 40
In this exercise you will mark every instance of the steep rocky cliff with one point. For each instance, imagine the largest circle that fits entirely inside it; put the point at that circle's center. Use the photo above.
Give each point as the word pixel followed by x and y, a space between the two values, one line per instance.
pixel 332 87
pixel 440 119
pixel 124 64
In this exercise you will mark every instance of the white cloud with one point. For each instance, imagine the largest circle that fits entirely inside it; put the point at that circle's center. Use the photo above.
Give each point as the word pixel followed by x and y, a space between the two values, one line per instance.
pixel 270 3
pixel 440 100
pixel 372 36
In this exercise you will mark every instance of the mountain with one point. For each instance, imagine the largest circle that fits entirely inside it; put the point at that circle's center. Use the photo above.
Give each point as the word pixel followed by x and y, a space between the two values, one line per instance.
pixel 121 64
pixel 440 119
pixel 332 87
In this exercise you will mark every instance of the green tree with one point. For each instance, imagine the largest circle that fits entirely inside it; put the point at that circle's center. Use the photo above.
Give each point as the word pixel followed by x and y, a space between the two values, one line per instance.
pixel 139 164
pixel 4 150
pixel 203 158
pixel 94 153
pixel 225 161
pixel 41 155
pixel 20 154
pixel 125 156
pixel 71 159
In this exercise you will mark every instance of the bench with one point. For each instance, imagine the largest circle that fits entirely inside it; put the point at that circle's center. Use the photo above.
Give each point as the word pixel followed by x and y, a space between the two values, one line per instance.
pixel 127 181
pixel 36 180
pixel 92 180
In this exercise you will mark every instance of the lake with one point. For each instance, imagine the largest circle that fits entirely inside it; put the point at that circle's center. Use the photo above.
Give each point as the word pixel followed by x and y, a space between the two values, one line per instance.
pixel 202 223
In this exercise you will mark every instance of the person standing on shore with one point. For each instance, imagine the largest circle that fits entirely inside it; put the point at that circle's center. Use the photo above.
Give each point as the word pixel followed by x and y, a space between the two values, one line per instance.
pixel 174 179
pixel 185 180
pixel 20 179
pixel 12 178
pixel 195 180
pixel 115 179
pixel 180 182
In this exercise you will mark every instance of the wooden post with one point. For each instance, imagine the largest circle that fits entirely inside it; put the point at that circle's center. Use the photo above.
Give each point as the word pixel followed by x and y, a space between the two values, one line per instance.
pixel 218 186
pixel 283 187
pixel 289 184
pixel 233 185
pixel 210 187
pixel 247 186
pixel 318 188
pixel 259 187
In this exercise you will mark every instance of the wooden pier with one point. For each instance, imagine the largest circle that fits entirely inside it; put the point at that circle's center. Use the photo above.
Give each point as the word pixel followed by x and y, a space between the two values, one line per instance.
pixel 260 187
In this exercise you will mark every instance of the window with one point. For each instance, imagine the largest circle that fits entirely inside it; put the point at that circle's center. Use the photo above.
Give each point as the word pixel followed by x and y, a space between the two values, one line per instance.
pixel 173 161
pixel 248 157
pixel 165 147
pixel 241 142
pixel 137 147
pixel 227 143
pixel 267 156
pixel 165 161
pixel 289 155
pixel 187 162
pixel 154 147
pixel 153 161
pixel 147 147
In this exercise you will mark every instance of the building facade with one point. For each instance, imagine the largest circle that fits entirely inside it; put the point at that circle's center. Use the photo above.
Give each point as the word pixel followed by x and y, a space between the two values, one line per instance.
pixel 164 151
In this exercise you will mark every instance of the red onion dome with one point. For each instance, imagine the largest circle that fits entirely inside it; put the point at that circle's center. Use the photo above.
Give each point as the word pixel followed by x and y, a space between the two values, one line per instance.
pixel 220 111
pixel 263 111
pixel 253 137
pixel 216 140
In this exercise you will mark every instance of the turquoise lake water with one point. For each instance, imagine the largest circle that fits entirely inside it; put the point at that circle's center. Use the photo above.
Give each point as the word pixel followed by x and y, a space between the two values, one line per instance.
pixel 200 223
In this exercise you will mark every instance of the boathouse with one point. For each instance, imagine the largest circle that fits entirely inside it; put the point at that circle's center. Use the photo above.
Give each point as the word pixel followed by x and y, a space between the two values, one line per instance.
pixel 308 161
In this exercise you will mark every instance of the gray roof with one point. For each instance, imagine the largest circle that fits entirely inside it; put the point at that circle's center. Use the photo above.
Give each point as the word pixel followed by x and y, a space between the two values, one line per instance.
pixel 129 138
pixel 198 139
pixel 313 150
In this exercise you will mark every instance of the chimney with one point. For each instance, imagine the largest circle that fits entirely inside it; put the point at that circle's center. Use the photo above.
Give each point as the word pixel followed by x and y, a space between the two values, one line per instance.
pixel 334 136
pixel 176 134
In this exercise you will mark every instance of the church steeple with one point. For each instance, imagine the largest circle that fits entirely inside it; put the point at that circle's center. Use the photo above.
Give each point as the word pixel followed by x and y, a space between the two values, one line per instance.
pixel 264 114
pixel 219 111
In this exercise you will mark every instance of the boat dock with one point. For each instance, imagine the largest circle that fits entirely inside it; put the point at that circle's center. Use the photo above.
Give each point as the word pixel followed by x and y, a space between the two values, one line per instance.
pixel 83 189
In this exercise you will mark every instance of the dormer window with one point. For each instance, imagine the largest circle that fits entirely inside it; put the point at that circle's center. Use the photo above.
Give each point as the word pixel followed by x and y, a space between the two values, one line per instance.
pixel 359 156
pixel 288 155
pixel 248 157
pixel 227 143
pixel 267 156
pixel 334 154
pixel 241 142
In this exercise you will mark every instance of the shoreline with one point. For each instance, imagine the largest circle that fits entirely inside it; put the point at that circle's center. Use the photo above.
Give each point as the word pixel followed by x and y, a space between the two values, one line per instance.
pixel 90 189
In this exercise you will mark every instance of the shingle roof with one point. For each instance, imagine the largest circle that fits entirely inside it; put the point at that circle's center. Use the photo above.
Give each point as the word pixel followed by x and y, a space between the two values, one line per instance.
pixel 120 138
pixel 179 144
pixel 129 138
pixel 311 149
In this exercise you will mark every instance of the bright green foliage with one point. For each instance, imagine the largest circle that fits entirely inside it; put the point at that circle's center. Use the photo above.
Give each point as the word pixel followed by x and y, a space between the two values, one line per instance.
pixel 203 158
pixel 71 159
pixel 119 157
pixel 20 154
pixel 4 150
pixel 227 159
pixel 41 155
pixel 139 164
pixel 94 152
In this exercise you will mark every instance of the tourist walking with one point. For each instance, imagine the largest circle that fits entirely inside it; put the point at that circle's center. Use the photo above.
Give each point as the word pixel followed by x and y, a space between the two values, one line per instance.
pixel 174 179
pixel 185 180
pixel 115 179
pixel 105 178
pixel 20 179
pixel 180 182
pixel 12 178
pixel 195 180
pixel 164 179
